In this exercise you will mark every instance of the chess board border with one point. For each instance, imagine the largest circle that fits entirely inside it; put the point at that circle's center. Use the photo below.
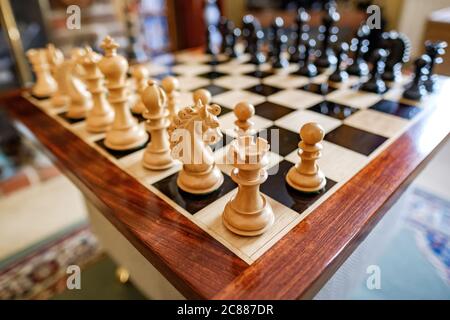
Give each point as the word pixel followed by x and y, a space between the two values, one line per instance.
pixel 312 250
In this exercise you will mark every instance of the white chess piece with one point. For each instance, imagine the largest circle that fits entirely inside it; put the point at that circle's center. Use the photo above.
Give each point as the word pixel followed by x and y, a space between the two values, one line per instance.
pixel 45 86
pixel 191 133
pixel 244 112
pixel 101 116
pixel 80 100
pixel 171 86
pixel 157 155
pixel 248 213
pixel 125 133
pixel 140 76
pixel 306 175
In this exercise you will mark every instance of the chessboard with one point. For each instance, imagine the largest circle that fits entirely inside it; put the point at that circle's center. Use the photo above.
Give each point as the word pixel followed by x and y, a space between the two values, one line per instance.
pixel 358 126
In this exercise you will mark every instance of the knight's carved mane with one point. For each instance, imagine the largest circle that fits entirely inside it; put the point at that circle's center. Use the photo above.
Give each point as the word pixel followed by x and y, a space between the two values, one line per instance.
pixel 198 112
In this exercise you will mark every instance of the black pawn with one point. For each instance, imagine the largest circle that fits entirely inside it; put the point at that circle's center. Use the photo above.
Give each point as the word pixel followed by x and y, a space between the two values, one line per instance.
pixel 399 48
pixel 435 50
pixel 416 89
pixel 248 29
pixel 340 75
pixel 232 34
pixel 306 66
pixel 376 84
pixel 279 45
pixel 328 35
pixel 360 46
pixel 256 55
pixel 223 29
pixel 301 27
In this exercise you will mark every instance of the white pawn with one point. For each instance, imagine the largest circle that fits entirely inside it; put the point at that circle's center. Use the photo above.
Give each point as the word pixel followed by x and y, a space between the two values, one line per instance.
pixel 157 155
pixel 140 76
pixel 248 213
pixel 45 85
pixel 55 58
pixel 80 99
pixel 101 116
pixel 306 175
pixel 171 86
pixel 243 112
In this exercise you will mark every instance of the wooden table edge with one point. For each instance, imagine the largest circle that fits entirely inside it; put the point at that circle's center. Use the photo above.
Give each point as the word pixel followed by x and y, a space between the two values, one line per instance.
pixel 252 282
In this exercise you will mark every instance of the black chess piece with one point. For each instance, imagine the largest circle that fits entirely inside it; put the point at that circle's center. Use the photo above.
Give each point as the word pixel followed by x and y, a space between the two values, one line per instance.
pixel 248 29
pixel 211 17
pixel 223 29
pixel 306 66
pixel 399 47
pixel 328 35
pixel 416 89
pixel 301 27
pixel 279 45
pixel 340 74
pixel 256 55
pixel 359 46
pixel 435 50
pixel 376 84
pixel 232 34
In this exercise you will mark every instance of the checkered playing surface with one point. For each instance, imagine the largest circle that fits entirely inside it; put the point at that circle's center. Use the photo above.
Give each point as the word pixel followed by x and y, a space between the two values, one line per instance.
pixel 358 125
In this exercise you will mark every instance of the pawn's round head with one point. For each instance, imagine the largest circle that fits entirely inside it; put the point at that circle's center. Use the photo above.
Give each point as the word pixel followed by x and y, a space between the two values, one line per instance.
pixel 312 133
pixel 244 111
pixel 170 84
pixel 203 95
pixel 139 72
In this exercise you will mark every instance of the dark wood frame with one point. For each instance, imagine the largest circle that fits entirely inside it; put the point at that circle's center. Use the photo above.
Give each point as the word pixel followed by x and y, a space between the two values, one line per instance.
pixel 199 266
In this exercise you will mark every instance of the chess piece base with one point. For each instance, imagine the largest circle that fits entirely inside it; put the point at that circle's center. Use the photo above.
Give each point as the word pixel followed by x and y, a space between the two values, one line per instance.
pixel 306 183
pixel 248 224
pixel 59 101
pixel 200 182
pixel 127 139
pixel 78 111
pixel 157 160
pixel 99 123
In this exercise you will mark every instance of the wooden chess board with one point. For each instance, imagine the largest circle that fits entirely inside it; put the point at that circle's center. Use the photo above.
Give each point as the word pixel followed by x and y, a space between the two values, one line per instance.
pixel 358 125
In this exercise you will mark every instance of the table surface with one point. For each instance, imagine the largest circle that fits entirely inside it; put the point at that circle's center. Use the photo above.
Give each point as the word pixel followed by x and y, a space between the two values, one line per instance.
pixel 297 266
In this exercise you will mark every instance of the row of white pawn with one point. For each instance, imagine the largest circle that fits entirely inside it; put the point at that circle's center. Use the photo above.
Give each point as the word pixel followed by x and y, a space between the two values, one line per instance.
pixel 80 86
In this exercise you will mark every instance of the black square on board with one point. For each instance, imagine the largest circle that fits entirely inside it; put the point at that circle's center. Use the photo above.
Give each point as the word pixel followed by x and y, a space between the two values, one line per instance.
pixel 355 139
pixel 318 88
pixel 277 188
pixel 224 110
pixel 118 154
pixel 281 141
pixel 263 90
pixel 63 116
pixel 190 202
pixel 215 90
pixel 272 111
pixel 332 109
pixel 212 75
pixel 260 74
pixel 397 109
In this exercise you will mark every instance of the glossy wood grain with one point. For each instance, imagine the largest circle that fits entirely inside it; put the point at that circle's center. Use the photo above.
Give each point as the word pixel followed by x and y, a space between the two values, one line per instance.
pixel 300 263
pixel 197 265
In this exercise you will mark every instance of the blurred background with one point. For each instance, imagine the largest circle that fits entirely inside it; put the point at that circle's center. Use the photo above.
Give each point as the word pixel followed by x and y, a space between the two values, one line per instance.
pixel 145 28
pixel 33 256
